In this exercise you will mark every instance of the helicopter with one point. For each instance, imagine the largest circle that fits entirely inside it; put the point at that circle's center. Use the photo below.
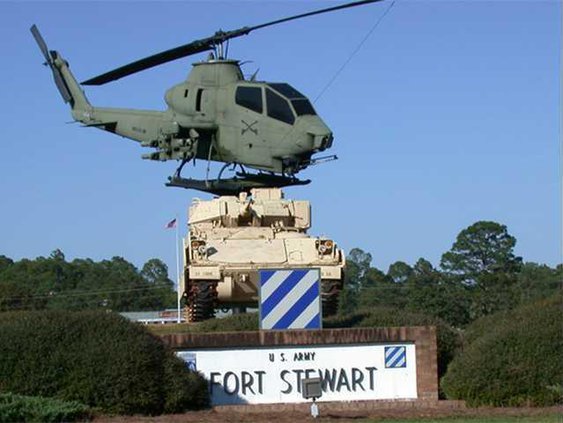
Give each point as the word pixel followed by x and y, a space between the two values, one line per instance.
pixel 215 115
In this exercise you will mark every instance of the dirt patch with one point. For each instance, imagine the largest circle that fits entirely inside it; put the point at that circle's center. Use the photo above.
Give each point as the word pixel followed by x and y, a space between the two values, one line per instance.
pixel 335 412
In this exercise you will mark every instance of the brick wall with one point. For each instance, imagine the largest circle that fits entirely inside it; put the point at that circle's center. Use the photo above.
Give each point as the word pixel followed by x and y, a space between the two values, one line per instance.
pixel 424 338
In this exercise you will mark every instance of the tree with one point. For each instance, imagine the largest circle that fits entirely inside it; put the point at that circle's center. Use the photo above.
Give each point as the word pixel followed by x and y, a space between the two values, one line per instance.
pixel 57 255
pixel 155 272
pixel 379 289
pixel 347 301
pixel 482 248
pixel 357 267
pixel 358 264
pixel 399 272
pixel 375 277
pixel 431 292
pixel 5 262
pixel 482 259
pixel 54 283
pixel 537 281
pixel 423 267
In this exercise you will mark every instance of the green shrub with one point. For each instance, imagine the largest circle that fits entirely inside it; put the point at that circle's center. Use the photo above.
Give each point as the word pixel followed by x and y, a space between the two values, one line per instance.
pixel 447 338
pixel 19 408
pixel 236 323
pixel 511 358
pixel 96 358
pixel 183 389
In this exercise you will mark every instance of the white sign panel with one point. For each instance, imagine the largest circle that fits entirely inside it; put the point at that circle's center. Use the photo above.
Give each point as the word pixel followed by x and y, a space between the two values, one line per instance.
pixel 274 375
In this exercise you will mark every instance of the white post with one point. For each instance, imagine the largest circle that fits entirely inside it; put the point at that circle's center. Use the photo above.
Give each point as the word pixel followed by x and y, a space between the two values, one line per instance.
pixel 178 268
pixel 314 409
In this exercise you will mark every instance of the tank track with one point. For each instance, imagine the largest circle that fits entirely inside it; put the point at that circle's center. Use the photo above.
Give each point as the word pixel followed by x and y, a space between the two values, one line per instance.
pixel 330 293
pixel 201 301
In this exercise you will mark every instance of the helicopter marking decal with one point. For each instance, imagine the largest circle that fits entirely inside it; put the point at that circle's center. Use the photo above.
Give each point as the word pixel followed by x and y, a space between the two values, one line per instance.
pixel 249 127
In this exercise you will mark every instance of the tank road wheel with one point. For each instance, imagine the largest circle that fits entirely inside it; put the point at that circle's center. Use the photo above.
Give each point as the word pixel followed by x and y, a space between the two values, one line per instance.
pixel 330 293
pixel 201 301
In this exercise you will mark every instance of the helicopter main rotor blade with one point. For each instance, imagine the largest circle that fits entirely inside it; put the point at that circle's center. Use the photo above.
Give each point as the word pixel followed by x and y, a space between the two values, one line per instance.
pixel 315 12
pixel 202 45
pixel 194 47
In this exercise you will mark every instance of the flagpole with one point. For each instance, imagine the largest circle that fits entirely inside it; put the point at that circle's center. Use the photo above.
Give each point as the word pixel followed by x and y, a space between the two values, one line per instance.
pixel 178 269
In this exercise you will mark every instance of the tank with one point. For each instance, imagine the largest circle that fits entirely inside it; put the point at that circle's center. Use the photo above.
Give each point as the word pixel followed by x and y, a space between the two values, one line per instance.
pixel 230 238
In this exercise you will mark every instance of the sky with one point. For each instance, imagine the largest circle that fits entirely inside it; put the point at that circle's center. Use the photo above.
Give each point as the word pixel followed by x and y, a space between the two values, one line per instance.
pixel 448 114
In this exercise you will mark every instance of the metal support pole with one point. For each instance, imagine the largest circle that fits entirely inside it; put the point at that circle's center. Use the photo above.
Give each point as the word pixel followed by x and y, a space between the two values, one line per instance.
pixel 178 268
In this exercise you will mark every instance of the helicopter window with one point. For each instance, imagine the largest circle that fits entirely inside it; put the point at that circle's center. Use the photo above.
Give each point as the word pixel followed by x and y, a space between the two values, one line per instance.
pixel 198 100
pixel 249 97
pixel 303 107
pixel 278 108
pixel 287 90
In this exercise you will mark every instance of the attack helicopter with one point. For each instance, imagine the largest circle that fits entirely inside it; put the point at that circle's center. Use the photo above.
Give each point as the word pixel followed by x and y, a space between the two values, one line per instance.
pixel 215 115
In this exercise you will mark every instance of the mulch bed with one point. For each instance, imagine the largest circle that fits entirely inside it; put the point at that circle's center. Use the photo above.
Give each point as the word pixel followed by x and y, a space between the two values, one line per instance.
pixel 336 412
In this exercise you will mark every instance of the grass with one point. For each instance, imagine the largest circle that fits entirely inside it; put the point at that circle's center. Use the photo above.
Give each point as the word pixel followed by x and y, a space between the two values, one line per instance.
pixel 234 323
pixel 170 328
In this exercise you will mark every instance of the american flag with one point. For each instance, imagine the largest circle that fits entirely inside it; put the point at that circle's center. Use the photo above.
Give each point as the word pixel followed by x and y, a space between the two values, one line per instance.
pixel 171 224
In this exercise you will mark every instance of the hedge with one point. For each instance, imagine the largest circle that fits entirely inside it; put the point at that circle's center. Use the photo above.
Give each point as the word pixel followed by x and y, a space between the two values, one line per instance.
pixel 19 408
pixel 447 338
pixel 511 358
pixel 235 323
pixel 97 358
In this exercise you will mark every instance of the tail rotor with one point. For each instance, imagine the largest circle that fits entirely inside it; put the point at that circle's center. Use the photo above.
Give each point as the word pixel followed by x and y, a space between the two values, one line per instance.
pixel 50 58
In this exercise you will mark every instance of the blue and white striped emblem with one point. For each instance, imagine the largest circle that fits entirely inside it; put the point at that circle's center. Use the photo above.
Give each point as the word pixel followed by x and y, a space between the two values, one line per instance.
pixel 395 357
pixel 290 299
pixel 190 359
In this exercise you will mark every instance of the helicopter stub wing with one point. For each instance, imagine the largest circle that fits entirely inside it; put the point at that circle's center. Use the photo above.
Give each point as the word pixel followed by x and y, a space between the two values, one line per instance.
pixel 107 126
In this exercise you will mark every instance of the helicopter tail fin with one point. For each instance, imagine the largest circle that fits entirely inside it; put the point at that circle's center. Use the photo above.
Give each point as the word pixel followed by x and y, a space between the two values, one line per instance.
pixel 64 80
pixel 79 103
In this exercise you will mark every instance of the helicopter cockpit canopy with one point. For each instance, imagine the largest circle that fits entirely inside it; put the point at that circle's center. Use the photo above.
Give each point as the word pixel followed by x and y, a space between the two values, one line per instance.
pixel 300 103
pixel 283 102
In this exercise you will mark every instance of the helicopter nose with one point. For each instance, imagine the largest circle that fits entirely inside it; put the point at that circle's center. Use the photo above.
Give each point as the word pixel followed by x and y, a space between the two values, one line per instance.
pixel 322 141
pixel 316 136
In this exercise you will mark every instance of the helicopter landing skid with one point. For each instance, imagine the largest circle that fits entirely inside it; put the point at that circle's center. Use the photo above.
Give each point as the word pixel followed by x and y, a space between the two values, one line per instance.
pixel 244 182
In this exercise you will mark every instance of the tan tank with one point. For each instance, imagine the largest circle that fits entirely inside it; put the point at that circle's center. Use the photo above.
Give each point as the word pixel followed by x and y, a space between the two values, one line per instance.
pixel 231 238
